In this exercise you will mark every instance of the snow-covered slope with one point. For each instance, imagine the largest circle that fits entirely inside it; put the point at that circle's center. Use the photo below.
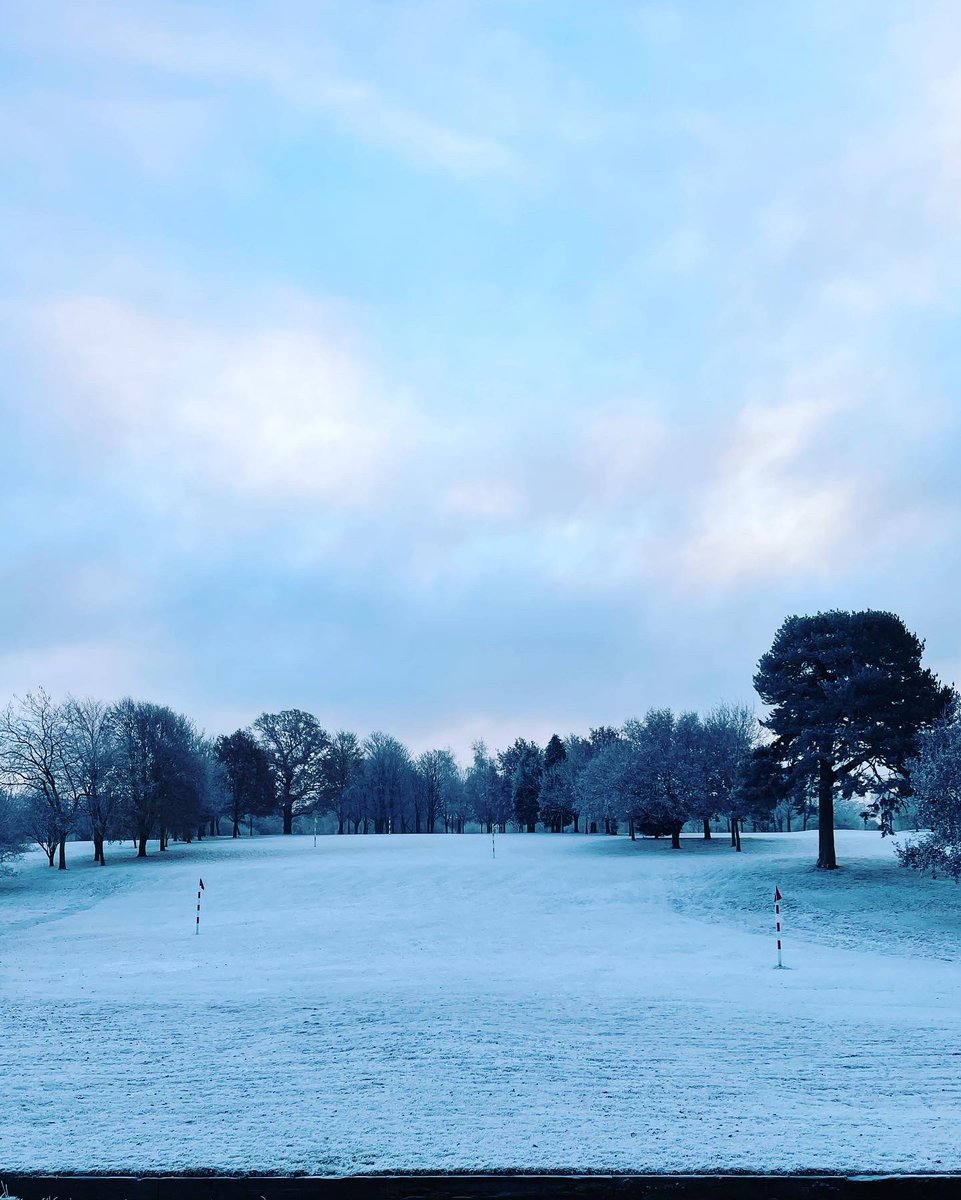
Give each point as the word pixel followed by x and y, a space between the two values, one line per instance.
pixel 380 1004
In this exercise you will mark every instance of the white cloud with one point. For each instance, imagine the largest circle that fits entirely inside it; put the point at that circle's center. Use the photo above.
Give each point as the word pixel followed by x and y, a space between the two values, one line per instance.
pixel 303 71
pixel 618 448
pixel 488 498
pixel 771 510
pixel 273 411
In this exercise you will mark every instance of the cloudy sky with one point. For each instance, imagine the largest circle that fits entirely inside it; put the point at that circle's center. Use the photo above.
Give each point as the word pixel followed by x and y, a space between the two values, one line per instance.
pixel 473 368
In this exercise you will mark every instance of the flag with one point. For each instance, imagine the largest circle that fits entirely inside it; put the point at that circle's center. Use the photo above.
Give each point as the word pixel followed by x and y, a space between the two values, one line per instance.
pixel 202 888
pixel 777 892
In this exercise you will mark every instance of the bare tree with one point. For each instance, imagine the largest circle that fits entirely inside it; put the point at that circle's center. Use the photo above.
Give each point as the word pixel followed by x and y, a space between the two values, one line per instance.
pixel 602 786
pixel 37 758
pixel 667 772
pixel 435 769
pixel 92 748
pixel 455 801
pixel 160 771
pixel 387 778
pixel 343 767
pixel 730 734
pixel 248 782
pixel 12 827
pixel 488 793
pixel 297 750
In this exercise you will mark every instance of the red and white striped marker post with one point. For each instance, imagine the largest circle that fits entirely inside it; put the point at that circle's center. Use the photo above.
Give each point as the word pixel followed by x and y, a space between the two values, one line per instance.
pixel 777 917
pixel 199 890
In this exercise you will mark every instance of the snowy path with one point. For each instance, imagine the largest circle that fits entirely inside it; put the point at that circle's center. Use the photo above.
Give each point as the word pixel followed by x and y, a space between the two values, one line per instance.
pixel 408 1003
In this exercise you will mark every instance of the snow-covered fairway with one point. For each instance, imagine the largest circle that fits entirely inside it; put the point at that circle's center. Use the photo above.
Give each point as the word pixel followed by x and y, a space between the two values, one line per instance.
pixel 382 1004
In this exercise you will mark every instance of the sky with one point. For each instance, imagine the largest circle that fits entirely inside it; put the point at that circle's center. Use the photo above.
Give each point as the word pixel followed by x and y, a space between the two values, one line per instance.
pixel 471 368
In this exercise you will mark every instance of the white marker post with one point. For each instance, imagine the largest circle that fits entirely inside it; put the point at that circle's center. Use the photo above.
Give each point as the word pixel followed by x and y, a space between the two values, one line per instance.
pixel 493 842
pixel 777 918
pixel 315 831
pixel 199 890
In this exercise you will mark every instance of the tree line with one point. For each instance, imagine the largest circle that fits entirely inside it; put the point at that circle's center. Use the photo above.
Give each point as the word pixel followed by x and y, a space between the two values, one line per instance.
pixel 142 771
pixel 850 712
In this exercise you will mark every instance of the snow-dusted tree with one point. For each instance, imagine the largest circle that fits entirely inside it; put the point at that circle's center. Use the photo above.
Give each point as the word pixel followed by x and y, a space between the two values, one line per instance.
pixel 667 771
pixel 556 799
pixel 602 787
pixel 936 781
pixel 248 781
pixel 388 781
pixel 160 771
pixel 522 765
pixel 433 772
pixel 358 812
pixel 488 794
pixel 192 784
pixel 342 772
pixel 455 809
pixel 36 755
pixel 848 698
pixel 13 830
pixel 556 795
pixel 579 753
pixel 296 748
pixel 92 746
pixel 730 732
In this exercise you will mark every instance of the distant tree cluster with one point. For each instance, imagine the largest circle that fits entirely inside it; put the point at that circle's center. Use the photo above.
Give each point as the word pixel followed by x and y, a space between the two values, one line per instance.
pixel 129 770
pixel 849 708
pixel 657 774
pixel 145 772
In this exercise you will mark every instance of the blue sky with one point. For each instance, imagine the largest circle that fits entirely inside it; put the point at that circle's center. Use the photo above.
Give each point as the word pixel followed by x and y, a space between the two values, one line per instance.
pixel 472 369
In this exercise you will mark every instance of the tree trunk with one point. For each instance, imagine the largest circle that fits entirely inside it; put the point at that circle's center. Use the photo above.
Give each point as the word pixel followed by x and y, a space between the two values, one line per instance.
pixel 51 853
pixel 340 824
pixel 631 828
pixel 737 835
pixel 98 856
pixel 289 817
pixel 707 827
pixel 827 858
pixel 676 836
pixel 62 864
pixel 142 847
pixel 236 832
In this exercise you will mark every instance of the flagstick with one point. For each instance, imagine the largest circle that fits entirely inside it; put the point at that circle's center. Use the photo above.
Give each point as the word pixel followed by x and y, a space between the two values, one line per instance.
pixel 777 918
pixel 493 842
pixel 315 831
pixel 199 890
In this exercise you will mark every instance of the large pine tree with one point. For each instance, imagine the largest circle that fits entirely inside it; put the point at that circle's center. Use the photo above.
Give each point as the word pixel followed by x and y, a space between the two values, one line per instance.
pixel 848 697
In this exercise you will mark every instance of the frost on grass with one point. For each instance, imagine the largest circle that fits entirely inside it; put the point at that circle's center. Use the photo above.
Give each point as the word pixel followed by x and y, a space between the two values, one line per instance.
pixel 386 1004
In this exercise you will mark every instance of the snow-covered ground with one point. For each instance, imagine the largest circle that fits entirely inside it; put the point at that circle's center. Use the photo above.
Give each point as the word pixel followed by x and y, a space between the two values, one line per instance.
pixel 392 1003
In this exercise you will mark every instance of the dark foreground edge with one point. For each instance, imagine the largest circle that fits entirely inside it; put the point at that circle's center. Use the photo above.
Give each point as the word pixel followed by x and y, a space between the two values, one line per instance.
pixel 482 1187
